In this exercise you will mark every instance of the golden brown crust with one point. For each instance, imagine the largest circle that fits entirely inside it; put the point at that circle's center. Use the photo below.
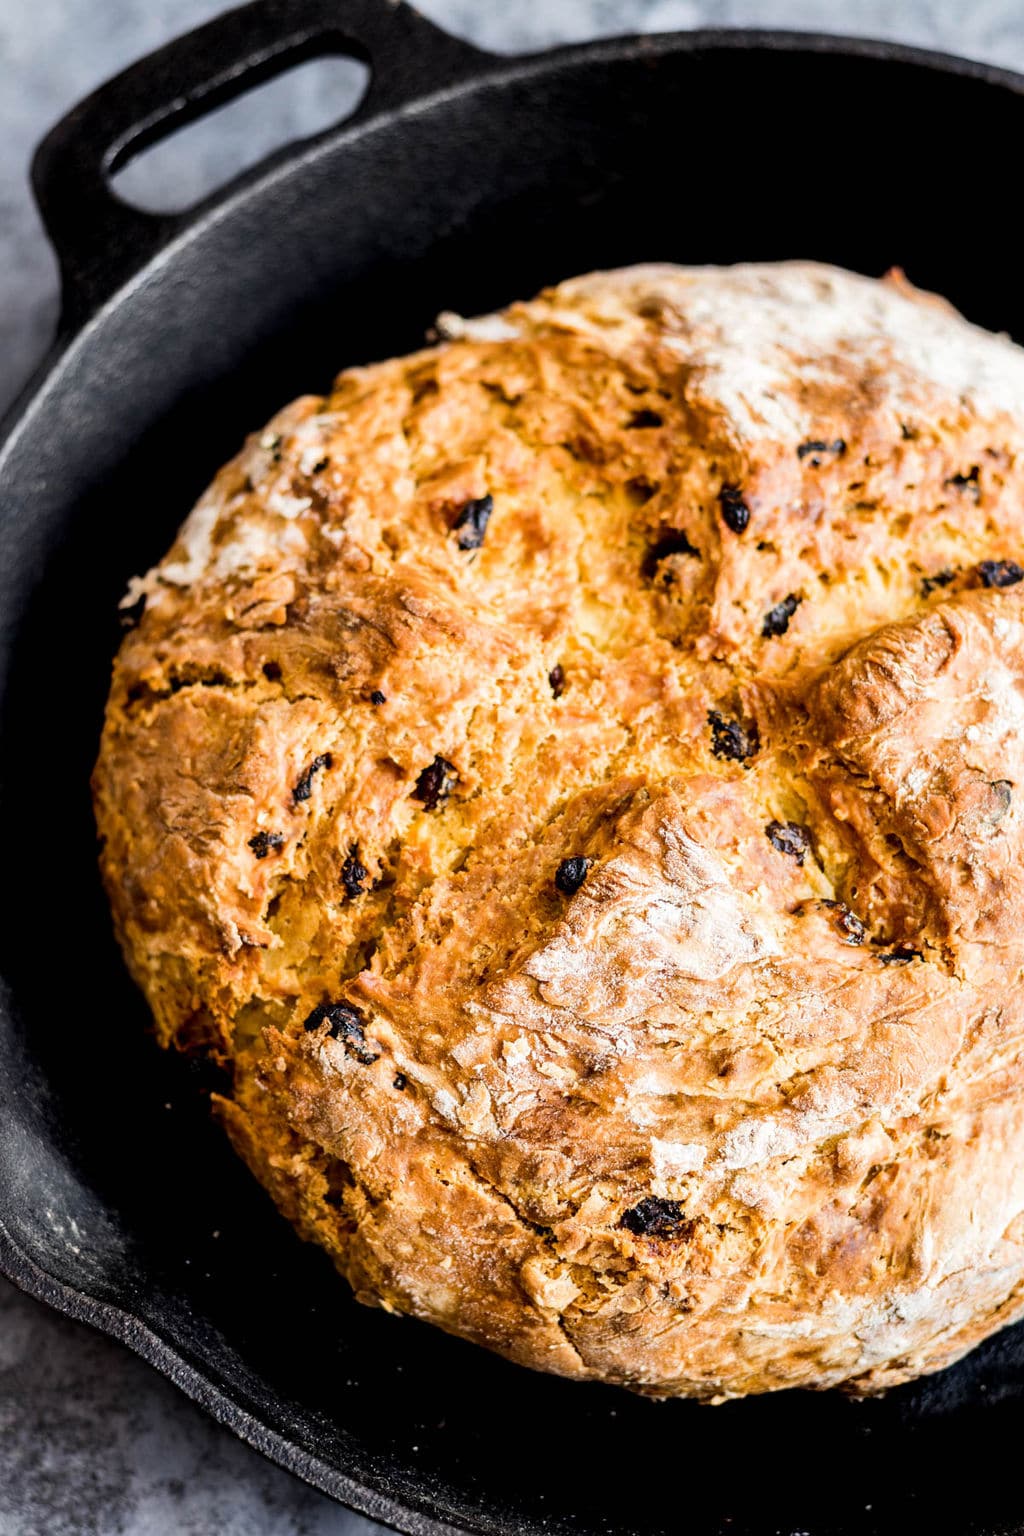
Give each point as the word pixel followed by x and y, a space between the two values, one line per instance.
pixel 731 1100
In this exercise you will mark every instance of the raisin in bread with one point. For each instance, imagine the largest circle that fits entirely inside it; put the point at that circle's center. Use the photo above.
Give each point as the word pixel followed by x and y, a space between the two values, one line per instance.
pixel 571 778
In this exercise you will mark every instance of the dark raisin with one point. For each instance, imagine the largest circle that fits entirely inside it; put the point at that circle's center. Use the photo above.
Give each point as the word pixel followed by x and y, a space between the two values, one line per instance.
pixel 304 788
pixel 129 617
pixel 735 512
pixel 400 1081
pixel 344 1023
pixel 850 926
pixel 731 738
pixel 263 842
pixel 671 541
pixel 657 1218
pixel 908 432
pixel 641 419
pixel 571 874
pixel 940 579
pixel 902 954
pixel 789 838
pixel 376 697
pixel 471 523
pixel 851 929
pixel 1002 793
pixel 354 874
pixel 320 466
pixel 776 620
pixel 435 783
pixel 556 677
pixel 966 484
pixel 817 446
pixel 272 671
pixel 1000 573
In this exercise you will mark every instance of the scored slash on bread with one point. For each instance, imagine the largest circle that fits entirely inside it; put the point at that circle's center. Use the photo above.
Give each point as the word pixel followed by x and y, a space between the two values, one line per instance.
pixel 571 778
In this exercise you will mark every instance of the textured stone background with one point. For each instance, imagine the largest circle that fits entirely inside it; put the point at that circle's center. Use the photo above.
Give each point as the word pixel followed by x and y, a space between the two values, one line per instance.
pixel 93 1443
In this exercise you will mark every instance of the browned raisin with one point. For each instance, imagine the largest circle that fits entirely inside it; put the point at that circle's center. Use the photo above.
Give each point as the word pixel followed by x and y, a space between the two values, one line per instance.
pixel 435 783
pixel 941 579
pixel 376 697
pixel 354 874
pixel 304 788
pixel 654 1217
pixel 471 523
pixel 344 1023
pixel 1000 573
pixel 556 678
pixel 789 838
pixel 816 446
pixel 735 512
pixel 732 739
pixel 263 842
pixel 776 620
pixel 571 874
pixel 848 925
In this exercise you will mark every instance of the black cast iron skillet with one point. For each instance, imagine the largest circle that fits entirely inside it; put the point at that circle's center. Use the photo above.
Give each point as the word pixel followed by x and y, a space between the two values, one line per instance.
pixel 463 181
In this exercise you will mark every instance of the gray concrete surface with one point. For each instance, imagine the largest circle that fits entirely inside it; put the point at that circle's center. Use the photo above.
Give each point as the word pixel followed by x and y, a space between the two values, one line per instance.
pixel 92 1443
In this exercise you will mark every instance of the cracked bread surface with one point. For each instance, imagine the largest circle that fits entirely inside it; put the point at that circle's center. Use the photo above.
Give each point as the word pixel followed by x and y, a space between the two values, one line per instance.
pixel 570 778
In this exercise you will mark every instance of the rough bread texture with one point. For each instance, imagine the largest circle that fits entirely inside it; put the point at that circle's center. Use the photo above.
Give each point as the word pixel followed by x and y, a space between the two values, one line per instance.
pixel 572 778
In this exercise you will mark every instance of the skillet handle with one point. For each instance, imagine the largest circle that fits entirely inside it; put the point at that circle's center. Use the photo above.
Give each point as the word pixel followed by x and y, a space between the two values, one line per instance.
pixel 100 240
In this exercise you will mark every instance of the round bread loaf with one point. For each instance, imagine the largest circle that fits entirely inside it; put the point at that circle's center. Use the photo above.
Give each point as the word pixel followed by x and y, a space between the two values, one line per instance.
pixel 571 777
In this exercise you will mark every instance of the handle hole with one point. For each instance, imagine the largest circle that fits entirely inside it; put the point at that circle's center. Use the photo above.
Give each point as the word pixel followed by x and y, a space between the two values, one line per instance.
pixel 194 160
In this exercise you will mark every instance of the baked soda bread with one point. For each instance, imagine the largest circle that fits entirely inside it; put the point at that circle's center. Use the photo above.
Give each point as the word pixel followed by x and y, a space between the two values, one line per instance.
pixel 571 778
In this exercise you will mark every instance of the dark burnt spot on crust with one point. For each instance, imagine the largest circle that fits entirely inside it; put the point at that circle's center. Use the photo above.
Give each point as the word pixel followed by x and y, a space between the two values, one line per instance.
pixel 264 842
pixel 735 740
pixel 556 680
pixel 471 522
pixel 776 620
pixel 967 485
pixel 735 512
pixel 1000 573
pixel 435 783
pixel 376 697
pixel 654 1217
pixel 816 447
pixel 670 541
pixel 571 874
pixel 304 787
pixel 789 838
pixel 640 420
pixel 346 1024
pixel 900 954
pixel 354 874
pixel 930 584
pixel 129 617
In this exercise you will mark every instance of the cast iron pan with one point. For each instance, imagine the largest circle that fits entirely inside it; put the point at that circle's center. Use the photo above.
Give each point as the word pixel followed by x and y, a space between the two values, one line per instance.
pixel 463 181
